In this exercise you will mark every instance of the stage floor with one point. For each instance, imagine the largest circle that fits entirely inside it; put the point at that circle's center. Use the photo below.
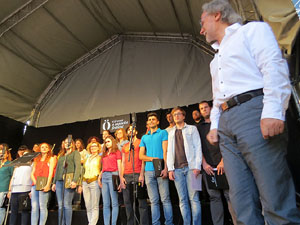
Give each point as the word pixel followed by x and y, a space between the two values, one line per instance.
pixel 80 218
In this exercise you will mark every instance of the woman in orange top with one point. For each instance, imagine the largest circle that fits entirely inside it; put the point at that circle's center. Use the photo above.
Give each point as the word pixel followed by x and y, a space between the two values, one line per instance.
pixel 43 166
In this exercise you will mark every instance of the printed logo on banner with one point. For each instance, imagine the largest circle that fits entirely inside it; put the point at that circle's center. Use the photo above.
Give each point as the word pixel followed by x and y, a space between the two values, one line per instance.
pixel 114 123
pixel 106 125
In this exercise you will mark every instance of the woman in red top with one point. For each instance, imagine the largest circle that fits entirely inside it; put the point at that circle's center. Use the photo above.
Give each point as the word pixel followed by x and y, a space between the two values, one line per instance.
pixel 43 166
pixel 111 165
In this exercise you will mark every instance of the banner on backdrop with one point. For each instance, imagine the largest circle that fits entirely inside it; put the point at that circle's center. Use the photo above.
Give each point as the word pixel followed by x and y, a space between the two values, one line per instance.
pixel 297 6
pixel 114 123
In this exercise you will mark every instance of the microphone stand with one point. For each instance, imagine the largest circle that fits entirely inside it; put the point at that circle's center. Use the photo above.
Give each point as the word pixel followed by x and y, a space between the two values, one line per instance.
pixel 7 210
pixel 131 149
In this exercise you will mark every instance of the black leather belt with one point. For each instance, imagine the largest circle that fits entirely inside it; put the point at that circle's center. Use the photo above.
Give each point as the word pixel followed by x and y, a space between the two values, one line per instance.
pixel 241 98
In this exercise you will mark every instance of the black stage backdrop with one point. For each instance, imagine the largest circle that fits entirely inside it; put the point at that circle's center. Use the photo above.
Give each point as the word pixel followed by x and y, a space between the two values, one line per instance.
pixel 11 132
pixel 293 151
pixel 86 129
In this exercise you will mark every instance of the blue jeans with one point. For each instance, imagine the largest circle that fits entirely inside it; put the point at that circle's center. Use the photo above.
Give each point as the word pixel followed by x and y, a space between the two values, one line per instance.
pixel 14 208
pixel 187 196
pixel 261 186
pixel 39 203
pixel 2 210
pixel 91 195
pixel 109 194
pixel 156 186
pixel 68 197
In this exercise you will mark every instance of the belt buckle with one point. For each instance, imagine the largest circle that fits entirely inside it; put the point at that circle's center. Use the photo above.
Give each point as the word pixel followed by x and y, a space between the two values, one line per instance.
pixel 224 106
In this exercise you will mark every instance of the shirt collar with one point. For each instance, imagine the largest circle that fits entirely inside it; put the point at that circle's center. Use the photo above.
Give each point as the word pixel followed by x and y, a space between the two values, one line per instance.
pixel 182 127
pixel 228 30
pixel 149 132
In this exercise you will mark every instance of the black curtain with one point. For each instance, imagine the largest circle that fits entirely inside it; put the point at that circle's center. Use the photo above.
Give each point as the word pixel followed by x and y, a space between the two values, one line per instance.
pixel 11 132
pixel 55 134
pixel 86 129
pixel 293 151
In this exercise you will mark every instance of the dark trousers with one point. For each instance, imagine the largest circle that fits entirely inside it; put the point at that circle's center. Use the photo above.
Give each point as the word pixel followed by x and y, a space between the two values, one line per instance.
pixel 14 207
pixel 128 201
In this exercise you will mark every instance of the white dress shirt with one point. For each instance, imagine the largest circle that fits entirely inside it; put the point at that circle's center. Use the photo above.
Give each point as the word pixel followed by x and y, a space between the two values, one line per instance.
pixel 21 180
pixel 192 147
pixel 249 58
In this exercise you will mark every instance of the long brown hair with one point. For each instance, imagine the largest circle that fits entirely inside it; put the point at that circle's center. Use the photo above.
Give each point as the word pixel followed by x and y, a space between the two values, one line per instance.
pixel 114 147
pixel 63 150
pixel 124 134
pixel 6 147
pixel 82 144
pixel 9 158
pixel 49 153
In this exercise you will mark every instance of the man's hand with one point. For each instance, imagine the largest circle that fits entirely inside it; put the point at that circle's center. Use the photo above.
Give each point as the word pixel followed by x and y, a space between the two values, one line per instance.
pixel 208 169
pixel 212 136
pixel 153 158
pixel 53 188
pixel 271 127
pixel 196 172
pixel 171 175
pixel 220 167
pixel 164 173
pixel 142 179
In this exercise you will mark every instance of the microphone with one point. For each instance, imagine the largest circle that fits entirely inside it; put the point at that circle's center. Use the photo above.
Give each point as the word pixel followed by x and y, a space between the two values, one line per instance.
pixel 133 119
pixel 69 141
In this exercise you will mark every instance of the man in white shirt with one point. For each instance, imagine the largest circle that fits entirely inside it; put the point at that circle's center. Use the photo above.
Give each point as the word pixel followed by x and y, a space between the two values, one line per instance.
pixel 170 120
pixel 184 158
pixel 251 90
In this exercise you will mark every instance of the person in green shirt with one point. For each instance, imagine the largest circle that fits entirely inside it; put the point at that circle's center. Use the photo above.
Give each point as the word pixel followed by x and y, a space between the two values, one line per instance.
pixel 5 176
pixel 71 158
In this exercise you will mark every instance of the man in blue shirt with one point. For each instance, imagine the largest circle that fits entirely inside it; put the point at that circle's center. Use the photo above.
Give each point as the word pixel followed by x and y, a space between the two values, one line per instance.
pixel 156 143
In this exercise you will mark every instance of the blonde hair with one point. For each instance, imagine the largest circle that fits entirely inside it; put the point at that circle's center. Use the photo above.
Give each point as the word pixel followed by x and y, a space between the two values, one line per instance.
pixel 88 148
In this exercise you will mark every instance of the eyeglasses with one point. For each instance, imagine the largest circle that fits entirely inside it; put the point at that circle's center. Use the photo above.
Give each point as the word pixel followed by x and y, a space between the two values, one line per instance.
pixel 177 114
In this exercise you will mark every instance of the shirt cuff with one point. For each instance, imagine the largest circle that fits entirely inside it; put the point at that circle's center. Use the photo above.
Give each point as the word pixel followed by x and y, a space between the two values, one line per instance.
pixel 214 124
pixel 273 111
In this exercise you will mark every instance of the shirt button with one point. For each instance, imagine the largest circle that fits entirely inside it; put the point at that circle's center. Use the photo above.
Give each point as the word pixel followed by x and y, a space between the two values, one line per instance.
pixel 219 55
pixel 224 95
pixel 221 82
pixel 219 68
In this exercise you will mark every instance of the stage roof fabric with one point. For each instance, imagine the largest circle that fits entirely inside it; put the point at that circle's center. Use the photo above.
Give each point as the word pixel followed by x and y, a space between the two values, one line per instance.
pixel 70 60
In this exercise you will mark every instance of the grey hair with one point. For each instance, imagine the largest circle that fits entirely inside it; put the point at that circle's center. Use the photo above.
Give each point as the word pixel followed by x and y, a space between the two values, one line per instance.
pixel 228 15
